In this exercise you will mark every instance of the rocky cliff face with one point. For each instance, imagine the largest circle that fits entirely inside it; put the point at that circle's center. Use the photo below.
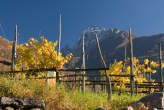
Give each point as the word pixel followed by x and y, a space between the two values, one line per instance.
pixel 113 42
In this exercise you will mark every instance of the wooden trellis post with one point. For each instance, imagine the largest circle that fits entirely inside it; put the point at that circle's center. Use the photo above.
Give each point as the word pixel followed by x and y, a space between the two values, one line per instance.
pixel 57 77
pixel 75 78
pixel 131 63
pixel 83 64
pixel 160 68
pixel 59 34
pixel 124 66
pixel 108 81
pixel 149 76
pixel 14 50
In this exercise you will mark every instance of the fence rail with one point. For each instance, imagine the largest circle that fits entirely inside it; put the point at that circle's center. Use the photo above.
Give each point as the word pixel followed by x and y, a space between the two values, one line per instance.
pixel 90 78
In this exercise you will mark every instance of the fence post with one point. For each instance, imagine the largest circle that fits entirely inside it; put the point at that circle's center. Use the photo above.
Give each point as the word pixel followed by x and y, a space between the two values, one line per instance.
pixel 124 66
pixel 94 86
pixel 83 64
pixel 57 76
pixel 160 68
pixel 14 51
pixel 149 76
pixel 136 89
pixel 109 86
pixel 75 78
pixel 131 63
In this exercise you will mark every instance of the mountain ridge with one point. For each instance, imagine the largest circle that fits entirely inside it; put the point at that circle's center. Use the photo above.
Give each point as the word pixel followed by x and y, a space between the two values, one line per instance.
pixel 112 44
pixel 5 54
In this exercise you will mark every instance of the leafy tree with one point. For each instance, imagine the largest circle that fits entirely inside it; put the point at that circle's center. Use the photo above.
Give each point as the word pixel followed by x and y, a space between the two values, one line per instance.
pixel 35 54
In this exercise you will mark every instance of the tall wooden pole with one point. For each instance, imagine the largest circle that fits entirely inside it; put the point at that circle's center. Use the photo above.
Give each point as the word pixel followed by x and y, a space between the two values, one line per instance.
pixel 57 73
pixel 83 63
pixel 160 68
pixel 98 45
pixel 131 63
pixel 14 49
pixel 149 76
pixel 109 85
pixel 124 66
pixel 59 34
pixel 125 53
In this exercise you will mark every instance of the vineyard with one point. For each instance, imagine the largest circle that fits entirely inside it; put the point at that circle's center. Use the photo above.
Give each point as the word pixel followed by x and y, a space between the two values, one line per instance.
pixel 81 55
pixel 41 63
pixel 40 60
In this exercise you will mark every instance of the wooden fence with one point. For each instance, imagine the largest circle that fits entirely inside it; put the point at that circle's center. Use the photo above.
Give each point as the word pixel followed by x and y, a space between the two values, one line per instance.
pixel 97 79
pixel 74 77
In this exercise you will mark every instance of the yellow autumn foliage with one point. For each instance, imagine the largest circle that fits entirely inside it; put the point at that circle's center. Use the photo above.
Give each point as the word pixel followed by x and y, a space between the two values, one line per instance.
pixel 36 54
pixel 139 70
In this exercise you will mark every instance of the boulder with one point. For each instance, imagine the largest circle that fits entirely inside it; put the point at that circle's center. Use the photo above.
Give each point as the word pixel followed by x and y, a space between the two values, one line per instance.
pixel 139 106
pixel 154 101
pixel 22 103
pixel 99 108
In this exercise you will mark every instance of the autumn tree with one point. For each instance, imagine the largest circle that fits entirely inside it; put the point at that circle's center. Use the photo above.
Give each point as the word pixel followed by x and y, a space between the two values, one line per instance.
pixel 35 54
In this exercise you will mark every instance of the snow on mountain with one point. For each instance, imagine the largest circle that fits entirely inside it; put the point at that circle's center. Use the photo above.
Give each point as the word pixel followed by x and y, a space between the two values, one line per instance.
pixel 102 33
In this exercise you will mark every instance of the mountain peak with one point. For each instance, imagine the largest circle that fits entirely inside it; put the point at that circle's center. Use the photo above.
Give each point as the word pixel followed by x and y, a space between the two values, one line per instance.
pixel 94 28
pixel 99 29
pixel 115 30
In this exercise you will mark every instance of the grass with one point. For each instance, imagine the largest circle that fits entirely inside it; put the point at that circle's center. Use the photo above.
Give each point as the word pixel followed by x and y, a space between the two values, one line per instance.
pixel 60 97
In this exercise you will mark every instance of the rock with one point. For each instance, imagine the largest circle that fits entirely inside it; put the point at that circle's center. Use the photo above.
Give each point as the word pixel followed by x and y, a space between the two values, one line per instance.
pixel 22 103
pixel 35 109
pixel 127 108
pixel 9 108
pixel 136 106
pixel 139 106
pixel 9 102
pixel 32 103
pixel 154 100
pixel 99 109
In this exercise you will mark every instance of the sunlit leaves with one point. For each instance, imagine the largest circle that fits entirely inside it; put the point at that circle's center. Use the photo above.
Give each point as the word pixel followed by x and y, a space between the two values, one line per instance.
pixel 140 68
pixel 146 61
pixel 35 54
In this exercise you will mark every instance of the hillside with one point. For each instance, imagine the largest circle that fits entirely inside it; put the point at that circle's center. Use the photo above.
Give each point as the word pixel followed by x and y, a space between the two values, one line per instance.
pixel 5 54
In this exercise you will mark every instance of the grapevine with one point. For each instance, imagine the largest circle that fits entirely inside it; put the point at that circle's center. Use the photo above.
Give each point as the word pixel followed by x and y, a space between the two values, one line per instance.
pixel 140 69
pixel 35 55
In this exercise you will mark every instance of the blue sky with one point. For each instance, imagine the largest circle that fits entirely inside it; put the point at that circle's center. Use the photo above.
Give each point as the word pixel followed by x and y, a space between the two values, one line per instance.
pixel 145 17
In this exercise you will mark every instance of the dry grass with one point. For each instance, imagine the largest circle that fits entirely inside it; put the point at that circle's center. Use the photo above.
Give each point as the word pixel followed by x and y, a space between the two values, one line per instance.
pixel 60 97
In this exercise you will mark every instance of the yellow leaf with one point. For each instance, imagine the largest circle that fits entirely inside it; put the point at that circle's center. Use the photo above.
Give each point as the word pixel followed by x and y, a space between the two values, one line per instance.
pixel 146 61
